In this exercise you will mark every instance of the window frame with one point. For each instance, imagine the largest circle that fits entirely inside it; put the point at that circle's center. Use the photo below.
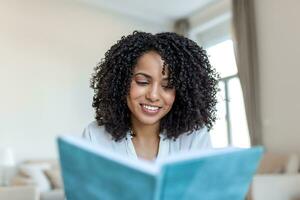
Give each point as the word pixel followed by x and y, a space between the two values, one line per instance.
pixel 225 81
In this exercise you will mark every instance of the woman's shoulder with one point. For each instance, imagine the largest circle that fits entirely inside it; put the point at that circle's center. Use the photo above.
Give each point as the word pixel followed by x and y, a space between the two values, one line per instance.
pixel 97 134
pixel 198 139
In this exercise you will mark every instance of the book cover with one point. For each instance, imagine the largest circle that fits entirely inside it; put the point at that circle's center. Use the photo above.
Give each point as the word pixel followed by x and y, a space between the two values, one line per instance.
pixel 91 172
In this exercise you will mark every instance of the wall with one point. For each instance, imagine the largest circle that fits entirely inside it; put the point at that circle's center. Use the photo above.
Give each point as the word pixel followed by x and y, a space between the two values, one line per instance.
pixel 47 54
pixel 278 33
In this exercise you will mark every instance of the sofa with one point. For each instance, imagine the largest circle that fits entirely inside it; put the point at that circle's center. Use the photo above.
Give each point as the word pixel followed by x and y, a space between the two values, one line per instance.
pixel 19 193
pixel 277 178
pixel 44 175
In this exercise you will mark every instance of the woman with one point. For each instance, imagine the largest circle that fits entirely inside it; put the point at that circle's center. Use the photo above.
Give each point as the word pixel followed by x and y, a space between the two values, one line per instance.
pixel 155 95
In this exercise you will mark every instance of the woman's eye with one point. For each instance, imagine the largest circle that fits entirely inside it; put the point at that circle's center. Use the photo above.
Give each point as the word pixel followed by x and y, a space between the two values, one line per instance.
pixel 141 82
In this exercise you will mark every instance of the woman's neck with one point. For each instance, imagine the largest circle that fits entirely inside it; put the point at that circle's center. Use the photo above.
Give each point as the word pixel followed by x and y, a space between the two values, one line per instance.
pixel 146 141
pixel 145 132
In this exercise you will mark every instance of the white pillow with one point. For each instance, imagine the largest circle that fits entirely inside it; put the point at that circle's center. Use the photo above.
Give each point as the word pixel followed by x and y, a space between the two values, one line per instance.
pixel 36 172
pixel 292 166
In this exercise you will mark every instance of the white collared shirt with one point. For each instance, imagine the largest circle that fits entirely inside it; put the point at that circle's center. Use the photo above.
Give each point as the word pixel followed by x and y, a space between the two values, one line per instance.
pixel 197 140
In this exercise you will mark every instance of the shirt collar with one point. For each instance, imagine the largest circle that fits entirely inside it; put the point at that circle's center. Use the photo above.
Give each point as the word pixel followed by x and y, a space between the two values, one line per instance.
pixel 163 148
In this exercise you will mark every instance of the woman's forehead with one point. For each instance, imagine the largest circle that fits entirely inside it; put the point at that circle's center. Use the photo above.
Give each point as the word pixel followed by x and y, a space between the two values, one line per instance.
pixel 152 63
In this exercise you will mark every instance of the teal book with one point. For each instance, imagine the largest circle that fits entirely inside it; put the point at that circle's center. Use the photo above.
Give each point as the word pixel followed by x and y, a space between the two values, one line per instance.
pixel 93 173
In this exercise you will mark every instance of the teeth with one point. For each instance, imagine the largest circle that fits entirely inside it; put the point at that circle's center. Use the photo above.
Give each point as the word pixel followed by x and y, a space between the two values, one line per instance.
pixel 150 107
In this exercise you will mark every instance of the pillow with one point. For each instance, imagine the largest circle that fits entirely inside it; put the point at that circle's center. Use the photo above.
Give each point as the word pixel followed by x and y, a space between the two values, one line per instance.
pixel 36 173
pixel 272 163
pixel 292 166
pixel 55 178
pixel 21 181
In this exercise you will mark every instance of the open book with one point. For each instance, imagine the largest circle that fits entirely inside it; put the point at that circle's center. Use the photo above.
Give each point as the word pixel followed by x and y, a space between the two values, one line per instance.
pixel 91 173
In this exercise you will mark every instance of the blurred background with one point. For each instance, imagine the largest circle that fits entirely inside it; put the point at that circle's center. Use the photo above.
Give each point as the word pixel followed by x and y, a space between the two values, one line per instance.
pixel 48 49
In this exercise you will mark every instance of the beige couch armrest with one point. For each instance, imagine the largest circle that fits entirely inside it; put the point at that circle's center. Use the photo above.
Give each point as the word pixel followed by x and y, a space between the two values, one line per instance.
pixel 276 187
pixel 19 193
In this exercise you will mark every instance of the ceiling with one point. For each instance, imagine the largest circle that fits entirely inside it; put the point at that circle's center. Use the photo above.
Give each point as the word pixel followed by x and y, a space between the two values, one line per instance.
pixel 159 11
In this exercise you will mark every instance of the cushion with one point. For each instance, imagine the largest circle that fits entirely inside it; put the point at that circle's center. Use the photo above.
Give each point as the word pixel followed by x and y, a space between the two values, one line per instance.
pixel 272 163
pixel 275 163
pixel 36 172
pixel 21 181
pixel 54 178
pixel 293 164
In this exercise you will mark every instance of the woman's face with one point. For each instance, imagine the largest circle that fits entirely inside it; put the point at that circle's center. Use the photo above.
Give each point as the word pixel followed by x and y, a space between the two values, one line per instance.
pixel 150 98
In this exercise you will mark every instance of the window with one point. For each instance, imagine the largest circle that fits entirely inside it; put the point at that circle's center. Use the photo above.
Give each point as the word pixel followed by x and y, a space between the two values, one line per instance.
pixel 231 127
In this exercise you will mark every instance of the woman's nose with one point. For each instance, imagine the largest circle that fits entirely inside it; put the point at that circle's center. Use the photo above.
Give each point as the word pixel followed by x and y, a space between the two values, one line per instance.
pixel 153 93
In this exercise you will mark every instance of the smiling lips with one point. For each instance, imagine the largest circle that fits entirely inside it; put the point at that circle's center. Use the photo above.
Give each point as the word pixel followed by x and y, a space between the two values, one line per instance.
pixel 150 110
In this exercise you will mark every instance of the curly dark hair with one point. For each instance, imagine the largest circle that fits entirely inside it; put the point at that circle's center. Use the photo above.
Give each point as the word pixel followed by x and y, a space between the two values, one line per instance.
pixel 190 73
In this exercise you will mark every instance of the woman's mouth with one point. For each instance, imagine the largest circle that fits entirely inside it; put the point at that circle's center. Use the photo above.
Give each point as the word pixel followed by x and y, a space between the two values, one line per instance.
pixel 150 109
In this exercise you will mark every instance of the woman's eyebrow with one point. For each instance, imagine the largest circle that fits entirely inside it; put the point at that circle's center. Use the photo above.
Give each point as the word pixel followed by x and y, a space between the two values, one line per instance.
pixel 148 76
pixel 143 74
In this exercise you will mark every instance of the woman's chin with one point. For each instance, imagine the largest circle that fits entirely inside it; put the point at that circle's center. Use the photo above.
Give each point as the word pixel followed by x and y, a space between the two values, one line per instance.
pixel 149 121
